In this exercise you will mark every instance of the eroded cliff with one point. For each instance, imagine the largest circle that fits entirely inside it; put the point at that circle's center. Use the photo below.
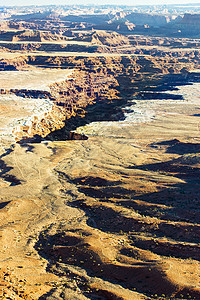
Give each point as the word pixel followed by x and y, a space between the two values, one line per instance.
pixel 94 80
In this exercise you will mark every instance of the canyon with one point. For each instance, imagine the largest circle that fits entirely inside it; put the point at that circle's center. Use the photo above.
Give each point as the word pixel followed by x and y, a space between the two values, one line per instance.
pixel 99 159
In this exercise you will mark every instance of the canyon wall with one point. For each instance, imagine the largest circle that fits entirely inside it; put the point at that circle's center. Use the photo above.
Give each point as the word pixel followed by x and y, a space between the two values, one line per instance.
pixel 94 81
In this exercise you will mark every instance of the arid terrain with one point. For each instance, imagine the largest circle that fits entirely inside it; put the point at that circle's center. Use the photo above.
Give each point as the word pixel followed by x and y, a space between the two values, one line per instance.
pixel 99 154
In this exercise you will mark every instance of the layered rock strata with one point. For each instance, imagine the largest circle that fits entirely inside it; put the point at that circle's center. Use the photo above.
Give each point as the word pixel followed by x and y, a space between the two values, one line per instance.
pixel 95 80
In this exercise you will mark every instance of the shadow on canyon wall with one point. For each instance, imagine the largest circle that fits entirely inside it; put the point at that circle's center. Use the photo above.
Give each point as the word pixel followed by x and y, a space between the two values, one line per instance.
pixel 114 110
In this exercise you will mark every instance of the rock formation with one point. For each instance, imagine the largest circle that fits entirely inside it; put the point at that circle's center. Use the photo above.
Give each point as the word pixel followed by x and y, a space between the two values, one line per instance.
pixel 91 209
pixel 96 80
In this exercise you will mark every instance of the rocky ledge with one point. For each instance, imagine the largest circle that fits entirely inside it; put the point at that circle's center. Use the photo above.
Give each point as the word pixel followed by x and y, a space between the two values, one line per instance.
pixel 107 80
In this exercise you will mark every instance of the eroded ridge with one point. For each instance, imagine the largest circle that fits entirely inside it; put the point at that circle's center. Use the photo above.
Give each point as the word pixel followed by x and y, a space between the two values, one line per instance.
pixel 99 197
pixel 106 81
pixel 143 235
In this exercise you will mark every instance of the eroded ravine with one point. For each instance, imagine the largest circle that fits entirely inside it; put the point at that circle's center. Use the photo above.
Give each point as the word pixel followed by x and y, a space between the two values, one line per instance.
pixel 90 221
pixel 145 218
pixel 111 217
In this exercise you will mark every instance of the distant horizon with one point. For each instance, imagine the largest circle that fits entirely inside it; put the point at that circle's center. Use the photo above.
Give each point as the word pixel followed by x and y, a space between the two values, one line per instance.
pixel 98 3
